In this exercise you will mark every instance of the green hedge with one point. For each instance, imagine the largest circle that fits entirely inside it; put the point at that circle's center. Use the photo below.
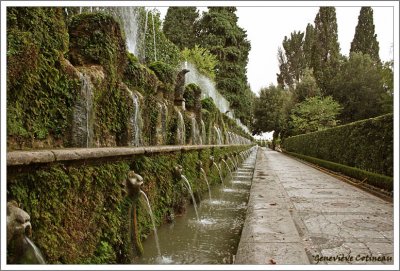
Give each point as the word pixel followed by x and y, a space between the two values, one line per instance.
pixel 365 144
pixel 374 179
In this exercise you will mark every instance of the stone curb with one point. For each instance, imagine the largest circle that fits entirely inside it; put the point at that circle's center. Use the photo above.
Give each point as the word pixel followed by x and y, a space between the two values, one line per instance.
pixel 18 158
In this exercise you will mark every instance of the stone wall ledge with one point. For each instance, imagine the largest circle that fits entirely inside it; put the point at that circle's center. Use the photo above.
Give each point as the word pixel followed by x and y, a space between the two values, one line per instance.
pixel 31 157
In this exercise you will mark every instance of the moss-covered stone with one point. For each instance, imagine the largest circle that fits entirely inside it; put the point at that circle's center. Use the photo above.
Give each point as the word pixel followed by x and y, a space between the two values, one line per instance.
pixel 39 93
pixel 79 213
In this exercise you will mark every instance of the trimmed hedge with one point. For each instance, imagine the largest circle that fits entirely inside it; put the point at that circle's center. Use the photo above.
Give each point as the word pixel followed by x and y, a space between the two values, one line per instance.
pixel 365 144
pixel 374 179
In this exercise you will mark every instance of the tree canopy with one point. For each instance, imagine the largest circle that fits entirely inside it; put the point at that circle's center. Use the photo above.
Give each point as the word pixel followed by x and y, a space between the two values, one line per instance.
pixel 365 39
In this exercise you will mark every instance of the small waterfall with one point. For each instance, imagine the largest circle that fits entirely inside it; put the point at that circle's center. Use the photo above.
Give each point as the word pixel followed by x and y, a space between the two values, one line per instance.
pixel 226 164
pixel 154 38
pixel 205 178
pixel 31 254
pixel 129 18
pixel 181 129
pixel 82 126
pixel 196 139
pixel 136 133
pixel 152 221
pixel 191 194
pixel 144 35
pixel 208 89
pixel 219 172
pixel 233 164
pixel 218 133
pixel 203 133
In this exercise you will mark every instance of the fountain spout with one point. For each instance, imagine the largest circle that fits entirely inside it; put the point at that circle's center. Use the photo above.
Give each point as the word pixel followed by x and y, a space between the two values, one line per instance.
pixel 18 222
pixel 132 184
pixel 19 229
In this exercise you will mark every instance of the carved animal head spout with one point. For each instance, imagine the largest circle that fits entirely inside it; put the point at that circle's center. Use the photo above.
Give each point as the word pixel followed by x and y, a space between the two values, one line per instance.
pixel 132 184
pixel 178 171
pixel 18 222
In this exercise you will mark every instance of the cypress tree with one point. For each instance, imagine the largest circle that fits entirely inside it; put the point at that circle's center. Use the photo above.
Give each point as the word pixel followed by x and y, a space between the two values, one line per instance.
pixel 220 34
pixel 365 38
pixel 180 26
pixel 308 44
pixel 325 49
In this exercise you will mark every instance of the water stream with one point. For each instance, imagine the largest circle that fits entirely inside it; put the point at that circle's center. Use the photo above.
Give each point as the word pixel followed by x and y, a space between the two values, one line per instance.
pixel 82 124
pixel 219 172
pixel 226 164
pixel 152 221
pixel 205 178
pixel 189 187
pixel 215 237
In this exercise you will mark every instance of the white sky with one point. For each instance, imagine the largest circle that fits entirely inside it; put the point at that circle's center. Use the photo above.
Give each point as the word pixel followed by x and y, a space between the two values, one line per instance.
pixel 266 27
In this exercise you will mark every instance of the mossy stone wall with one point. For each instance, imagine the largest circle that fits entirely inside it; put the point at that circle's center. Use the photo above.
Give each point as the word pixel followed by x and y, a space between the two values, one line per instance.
pixel 79 213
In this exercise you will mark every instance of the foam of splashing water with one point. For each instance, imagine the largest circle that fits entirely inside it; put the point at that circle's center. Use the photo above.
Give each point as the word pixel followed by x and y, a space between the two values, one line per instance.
pixel 152 221
pixel 82 125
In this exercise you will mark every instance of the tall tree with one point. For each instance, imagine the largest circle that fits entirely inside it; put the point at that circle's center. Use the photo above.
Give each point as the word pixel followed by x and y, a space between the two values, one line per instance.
pixel 293 64
pixel 221 35
pixel 325 49
pixel 308 44
pixel 365 40
pixel 180 26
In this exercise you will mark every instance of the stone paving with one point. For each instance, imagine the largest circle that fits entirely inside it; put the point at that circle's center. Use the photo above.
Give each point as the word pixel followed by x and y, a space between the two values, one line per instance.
pixel 299 215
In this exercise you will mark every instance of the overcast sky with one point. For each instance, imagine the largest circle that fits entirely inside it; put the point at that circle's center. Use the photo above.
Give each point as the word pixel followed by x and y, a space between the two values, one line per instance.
pixel 266 27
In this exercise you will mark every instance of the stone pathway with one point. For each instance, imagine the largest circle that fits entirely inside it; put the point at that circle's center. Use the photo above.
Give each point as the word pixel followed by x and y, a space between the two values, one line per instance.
pixel 299 215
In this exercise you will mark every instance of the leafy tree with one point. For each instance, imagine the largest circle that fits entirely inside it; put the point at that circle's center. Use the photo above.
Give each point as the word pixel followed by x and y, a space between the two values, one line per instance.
pixel 325 48
pixel 180 26
pixel 293 62
pixel 359 88
pixel 220 34
pixel 314 114
pixel 387 82
pixel 271 110
pixel 204 61
pixel 365 40
pixel 306 88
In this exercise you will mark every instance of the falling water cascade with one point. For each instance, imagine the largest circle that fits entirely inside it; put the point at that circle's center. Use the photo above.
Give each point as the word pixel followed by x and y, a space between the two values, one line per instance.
pixel 205 178
pixel 152 221
pixel 154 38
pixel 191 194
pixel 82 125
pixel 227 166
pixel 32 248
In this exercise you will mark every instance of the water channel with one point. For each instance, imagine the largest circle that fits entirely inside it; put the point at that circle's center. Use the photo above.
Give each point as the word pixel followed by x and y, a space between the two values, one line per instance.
pixel 214 238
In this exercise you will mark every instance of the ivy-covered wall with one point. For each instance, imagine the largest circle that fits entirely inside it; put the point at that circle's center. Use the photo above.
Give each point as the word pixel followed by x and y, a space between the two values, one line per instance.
pixel 79 213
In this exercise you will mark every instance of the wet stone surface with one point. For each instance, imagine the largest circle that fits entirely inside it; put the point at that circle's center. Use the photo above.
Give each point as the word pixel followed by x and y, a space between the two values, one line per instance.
pixel 299 215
